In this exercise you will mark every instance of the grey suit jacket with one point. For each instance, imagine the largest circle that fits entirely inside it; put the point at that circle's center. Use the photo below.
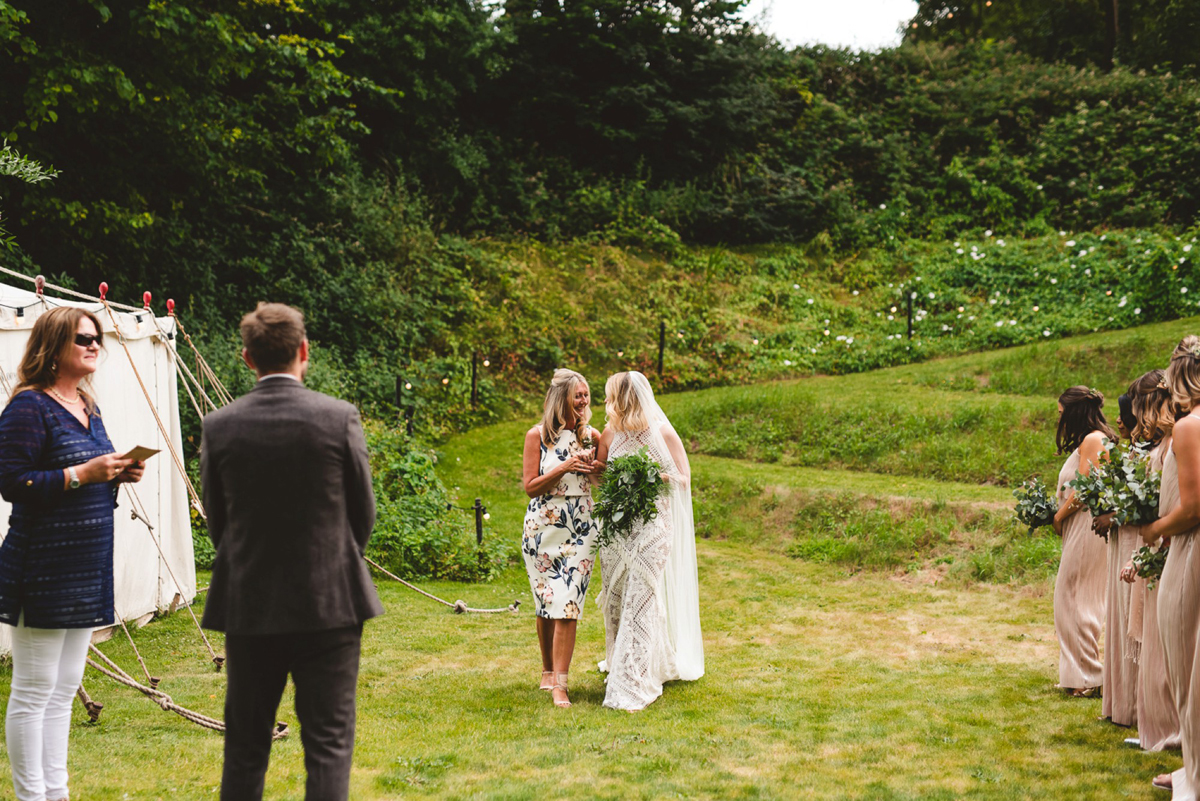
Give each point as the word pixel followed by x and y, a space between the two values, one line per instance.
pixel 287 490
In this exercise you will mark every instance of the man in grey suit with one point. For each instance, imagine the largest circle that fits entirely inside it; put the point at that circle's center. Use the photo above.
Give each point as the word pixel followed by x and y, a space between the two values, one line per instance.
pixel 287 490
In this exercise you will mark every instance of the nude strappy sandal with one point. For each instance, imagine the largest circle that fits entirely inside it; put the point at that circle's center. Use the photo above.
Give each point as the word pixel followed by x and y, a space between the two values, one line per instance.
pixel 560 683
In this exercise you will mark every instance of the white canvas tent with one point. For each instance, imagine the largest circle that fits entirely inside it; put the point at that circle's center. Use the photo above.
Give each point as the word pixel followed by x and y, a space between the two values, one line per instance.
pixel 143 583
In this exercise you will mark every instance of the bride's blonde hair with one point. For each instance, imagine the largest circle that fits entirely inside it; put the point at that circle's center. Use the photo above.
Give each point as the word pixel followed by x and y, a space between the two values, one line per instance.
pixel 560 407
pixel 623 411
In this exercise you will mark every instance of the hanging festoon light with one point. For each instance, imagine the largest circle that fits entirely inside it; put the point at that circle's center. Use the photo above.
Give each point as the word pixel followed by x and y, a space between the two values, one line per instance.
pixel 408 385
pixel 487 362
pixel 620 354
pixel 445 381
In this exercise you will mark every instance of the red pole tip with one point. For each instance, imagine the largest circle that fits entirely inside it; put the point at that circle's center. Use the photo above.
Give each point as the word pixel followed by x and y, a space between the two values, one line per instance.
pixel 170 306
pixel 39 284
pixel 103 290
pixel 146 300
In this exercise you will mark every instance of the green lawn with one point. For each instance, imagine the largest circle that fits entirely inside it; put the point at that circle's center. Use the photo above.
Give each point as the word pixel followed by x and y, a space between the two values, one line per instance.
pixel 818 686
pixel 872 629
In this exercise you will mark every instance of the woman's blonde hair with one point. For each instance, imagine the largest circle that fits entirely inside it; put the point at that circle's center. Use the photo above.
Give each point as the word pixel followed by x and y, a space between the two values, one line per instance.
pixel 1151 407
pixel 560 407
pixel 623 411
pixel 52 336
pixel 1183 373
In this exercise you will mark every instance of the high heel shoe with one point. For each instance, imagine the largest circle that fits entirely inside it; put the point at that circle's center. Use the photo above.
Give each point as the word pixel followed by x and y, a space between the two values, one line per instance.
pixel 547 681
pixel 560 683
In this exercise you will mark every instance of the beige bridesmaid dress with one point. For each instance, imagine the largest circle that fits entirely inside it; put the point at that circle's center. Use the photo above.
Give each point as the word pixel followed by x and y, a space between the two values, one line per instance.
pixel 1178 624
pixel 1120 665
pixel 1079 594
pixel 1157 719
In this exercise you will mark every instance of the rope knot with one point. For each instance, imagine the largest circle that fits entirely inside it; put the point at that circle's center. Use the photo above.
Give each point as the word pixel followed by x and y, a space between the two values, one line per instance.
pixel 460 607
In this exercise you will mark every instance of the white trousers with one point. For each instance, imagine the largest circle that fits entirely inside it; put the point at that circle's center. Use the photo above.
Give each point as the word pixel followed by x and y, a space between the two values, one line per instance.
pixel 47 668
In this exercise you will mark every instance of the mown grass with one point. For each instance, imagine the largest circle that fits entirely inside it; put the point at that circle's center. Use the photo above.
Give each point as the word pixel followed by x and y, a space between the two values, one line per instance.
pixel 818 686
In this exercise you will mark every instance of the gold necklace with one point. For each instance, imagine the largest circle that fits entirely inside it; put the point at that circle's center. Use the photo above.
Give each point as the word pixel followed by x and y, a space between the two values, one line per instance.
pixel 58 395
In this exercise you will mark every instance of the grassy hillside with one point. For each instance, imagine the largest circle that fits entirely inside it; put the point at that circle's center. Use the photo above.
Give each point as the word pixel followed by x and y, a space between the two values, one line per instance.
pixel 907 468
pixel 985 417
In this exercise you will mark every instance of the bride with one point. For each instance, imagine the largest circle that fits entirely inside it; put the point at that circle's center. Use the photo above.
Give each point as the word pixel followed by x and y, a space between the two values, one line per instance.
pixel 650 595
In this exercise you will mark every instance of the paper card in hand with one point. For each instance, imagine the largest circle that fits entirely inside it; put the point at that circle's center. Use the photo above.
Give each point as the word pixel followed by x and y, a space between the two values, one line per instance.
pixel 139 454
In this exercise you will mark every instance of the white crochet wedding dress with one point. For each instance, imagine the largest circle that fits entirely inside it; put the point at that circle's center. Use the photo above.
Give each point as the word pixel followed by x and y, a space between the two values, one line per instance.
pixel 650 595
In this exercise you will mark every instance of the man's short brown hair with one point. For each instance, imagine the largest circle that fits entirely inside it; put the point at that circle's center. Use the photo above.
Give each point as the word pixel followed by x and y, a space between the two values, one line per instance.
pixel 272 334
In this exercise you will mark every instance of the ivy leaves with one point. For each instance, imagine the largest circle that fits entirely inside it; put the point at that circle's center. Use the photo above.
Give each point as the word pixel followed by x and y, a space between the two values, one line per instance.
pixel 629 495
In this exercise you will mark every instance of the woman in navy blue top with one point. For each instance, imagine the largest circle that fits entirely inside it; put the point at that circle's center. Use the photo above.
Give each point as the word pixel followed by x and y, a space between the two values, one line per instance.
pixel 59 472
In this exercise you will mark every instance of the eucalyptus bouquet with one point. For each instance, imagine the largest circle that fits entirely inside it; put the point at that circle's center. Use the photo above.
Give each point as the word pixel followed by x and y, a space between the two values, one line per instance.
pixel 1035 505
pixel 1124 485
pixel 628 495
pixel 1092 491
pixel 1133 488
pixel 1149 561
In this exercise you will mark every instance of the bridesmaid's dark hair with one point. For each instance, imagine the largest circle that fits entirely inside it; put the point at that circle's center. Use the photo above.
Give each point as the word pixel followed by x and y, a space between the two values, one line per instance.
pixel 1081 415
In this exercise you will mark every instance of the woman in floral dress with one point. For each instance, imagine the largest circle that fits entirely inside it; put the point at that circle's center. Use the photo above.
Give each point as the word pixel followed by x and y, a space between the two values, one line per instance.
pixel 559 535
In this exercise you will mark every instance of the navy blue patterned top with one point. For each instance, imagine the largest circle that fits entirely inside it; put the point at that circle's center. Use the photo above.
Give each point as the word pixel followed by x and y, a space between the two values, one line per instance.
pixel 56 563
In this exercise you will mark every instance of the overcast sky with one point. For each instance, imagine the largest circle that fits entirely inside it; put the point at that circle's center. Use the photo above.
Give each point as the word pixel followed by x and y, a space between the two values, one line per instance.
pixel 859 24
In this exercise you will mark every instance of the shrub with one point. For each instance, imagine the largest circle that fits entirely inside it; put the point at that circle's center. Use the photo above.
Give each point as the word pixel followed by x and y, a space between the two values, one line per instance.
pixel 414 535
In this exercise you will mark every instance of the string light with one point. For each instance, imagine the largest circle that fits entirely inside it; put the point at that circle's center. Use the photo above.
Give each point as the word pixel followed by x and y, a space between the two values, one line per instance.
pixel 407 385
pixel 620 354
pixel 487 363
pixel 755 341
pixel 487 515
pixel 445 380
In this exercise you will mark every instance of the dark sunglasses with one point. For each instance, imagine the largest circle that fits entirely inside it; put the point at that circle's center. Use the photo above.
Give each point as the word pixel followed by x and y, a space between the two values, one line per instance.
pixel 86 340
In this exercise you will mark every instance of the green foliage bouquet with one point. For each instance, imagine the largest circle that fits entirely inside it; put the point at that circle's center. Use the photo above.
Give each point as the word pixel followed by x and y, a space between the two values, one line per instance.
pixel 1092 491
pixel 1149 561
pixel 1133 488
pixel 628 495
pixel 1035 505
pixel 1124 485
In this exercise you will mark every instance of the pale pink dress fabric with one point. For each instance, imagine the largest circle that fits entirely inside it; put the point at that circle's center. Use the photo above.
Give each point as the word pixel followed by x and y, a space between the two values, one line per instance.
pixel 1079 594
pixel 1158 722
pixel 1179 625
pixel 1120 665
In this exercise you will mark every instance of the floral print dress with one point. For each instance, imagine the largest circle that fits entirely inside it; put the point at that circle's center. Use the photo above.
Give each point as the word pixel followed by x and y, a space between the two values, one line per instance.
pixel 560 536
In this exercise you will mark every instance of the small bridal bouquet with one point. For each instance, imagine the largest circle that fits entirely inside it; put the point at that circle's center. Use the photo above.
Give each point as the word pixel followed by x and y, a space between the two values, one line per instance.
pixel 1149 561
pixel 1035 505
pixel 628 495
pixel 1133 488
pixel 1092 491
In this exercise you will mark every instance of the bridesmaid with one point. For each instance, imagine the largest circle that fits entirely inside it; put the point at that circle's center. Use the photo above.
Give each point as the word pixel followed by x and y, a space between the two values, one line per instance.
pixel 559 534
pixel 1120 665
pixel 1179 590
pixel 1157 719
pixel 1079 588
